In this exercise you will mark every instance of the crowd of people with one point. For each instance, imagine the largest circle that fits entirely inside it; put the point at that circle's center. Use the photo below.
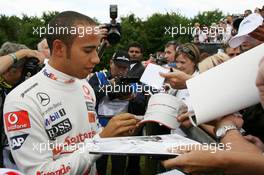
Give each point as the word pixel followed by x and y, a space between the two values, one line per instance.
pixel 65 102
pixel 223 31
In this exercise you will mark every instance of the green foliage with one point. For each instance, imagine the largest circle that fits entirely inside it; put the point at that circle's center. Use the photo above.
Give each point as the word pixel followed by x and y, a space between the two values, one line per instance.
pixel 208 17
pixel 21 30
pixel 151 33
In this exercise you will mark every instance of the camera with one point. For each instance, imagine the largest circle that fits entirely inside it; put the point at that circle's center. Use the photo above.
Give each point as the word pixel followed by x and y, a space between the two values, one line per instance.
pixel 114 28
pixel 114 32
pixel 31 67
pixel 159 59
pixel 127 80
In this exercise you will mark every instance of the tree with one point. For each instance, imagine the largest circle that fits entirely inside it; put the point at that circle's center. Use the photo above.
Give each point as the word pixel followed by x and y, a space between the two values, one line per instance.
pixel 208 17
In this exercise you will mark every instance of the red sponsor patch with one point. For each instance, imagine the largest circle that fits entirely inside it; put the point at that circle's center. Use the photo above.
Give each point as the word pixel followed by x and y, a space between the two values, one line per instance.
pixel 91 117
pixel 87 94
pixel 63 170
pixel 16 120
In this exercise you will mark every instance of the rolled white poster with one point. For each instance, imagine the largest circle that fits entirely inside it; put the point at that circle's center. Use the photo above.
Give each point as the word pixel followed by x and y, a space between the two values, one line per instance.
pixel 226 88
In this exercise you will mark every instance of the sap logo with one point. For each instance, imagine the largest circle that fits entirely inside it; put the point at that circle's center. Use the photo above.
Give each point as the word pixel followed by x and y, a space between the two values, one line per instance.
pixel 59 129
pixel 50 75
pixel 54 117
pixel 17 141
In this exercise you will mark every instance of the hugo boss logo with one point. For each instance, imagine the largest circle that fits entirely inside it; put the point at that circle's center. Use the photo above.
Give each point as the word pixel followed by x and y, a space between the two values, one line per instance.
pixel 59 129
pixel 43 98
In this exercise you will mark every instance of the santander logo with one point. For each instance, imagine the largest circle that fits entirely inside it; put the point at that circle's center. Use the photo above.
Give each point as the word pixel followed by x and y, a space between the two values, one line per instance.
pixel 63 170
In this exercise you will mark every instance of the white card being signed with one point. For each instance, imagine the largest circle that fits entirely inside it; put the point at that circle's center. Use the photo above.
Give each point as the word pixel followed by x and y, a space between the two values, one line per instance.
pixel 151 76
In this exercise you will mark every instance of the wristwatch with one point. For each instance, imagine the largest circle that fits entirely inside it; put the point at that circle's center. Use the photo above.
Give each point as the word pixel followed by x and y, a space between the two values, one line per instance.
pixel 221 132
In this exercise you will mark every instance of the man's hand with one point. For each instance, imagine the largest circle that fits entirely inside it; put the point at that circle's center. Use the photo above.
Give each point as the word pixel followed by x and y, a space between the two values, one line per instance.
pixel 120 125
pixel 28 53
pixel 258 33
pixel 184 120
pixel 256 141
pixel 235 119
pixel 177 79
pixel 197 161
pixel 103 31
pixel 204 161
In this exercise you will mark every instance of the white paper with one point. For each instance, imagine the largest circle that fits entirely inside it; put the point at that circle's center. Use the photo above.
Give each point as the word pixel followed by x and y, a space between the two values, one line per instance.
pixel 144 145
pixel 172 172
pixel 226 88
pixel 151 76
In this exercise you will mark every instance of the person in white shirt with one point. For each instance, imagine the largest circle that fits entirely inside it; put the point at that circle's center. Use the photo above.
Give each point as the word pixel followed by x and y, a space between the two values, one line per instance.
pixel 49 117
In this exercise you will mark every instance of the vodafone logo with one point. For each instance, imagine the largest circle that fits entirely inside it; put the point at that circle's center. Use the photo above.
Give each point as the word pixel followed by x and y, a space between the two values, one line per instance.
pixel 86 90
pixel 12 118
pixel 17 120
pixel 87 93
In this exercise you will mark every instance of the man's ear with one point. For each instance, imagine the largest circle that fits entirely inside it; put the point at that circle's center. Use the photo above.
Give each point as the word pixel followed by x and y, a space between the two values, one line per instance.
pixel 59 48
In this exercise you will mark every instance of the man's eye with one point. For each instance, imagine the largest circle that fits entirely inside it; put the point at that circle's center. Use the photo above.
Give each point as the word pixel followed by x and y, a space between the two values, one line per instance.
pixel 88 50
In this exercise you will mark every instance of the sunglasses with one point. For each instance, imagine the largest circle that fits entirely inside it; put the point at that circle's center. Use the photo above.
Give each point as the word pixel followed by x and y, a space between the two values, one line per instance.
pixel 186 50
pixel 172 42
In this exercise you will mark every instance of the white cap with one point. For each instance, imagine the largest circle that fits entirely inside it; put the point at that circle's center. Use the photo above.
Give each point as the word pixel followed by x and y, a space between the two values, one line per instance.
pixel 163 109
pixel 247 25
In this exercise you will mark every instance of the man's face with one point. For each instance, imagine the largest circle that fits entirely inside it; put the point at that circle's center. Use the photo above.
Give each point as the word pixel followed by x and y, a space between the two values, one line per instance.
pixel 118 70
pixel 13 75
pixel 246 13
pixel 183 63
pixel 135 53
pixel 170 54
pixel 232 52
pixel 229 19
pixel 83 56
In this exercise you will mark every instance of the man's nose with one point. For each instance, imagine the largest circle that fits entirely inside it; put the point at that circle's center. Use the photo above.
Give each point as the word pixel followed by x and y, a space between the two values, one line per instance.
pixel 95 59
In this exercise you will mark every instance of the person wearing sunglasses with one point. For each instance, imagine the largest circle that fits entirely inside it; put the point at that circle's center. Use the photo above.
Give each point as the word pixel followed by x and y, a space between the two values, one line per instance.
pixel 187 59
pixel 188 56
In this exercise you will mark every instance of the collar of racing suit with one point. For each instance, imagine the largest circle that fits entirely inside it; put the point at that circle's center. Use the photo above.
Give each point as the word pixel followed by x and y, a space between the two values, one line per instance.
pixel 56 75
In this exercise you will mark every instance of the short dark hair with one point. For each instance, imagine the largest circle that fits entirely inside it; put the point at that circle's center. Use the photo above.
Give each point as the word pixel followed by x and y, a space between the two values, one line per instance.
pixel 137 45
pixel 248 11
pixel 172 43
pixel 66 19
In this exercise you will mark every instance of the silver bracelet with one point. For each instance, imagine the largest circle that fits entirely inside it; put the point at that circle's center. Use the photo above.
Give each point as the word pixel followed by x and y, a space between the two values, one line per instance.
pixel 14 57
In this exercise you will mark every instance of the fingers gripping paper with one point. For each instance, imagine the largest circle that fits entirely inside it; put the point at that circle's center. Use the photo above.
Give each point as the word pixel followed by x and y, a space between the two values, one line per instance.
pixel 226 88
